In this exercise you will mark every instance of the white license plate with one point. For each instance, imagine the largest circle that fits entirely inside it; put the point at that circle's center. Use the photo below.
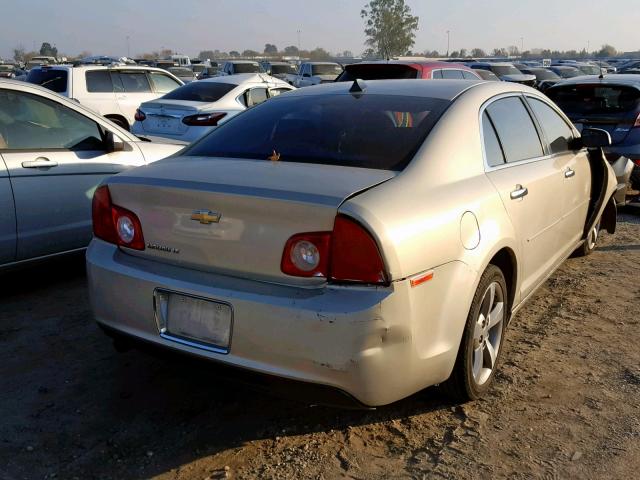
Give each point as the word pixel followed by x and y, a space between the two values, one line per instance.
pixel 194 321
pixel 164 124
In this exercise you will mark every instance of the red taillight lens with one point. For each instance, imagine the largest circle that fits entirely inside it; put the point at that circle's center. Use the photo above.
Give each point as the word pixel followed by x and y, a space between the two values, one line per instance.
pixel 204 120
pixel 139 115
pixel 637 162
pixel 307 255
pixel 348 254
pixel 115 224
pixel 355 256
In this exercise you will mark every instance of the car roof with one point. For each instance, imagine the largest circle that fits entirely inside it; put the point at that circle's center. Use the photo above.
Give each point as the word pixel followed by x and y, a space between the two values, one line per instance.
pixel 442 89
pixel 424 63
pixel 240 78
pixel 496 64
pixel 631 80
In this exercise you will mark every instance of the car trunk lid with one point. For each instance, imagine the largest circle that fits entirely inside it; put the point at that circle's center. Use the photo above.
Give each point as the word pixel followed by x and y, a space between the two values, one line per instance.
pixel 234 216
pixel 166 116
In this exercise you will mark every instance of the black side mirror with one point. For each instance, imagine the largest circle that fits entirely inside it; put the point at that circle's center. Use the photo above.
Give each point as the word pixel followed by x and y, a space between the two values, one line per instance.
pixel 110 143
pixel 595 138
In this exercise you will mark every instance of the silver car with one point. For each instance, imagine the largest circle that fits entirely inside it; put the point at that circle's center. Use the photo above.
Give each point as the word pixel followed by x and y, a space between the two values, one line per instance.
pixel 53 155
pixel 373 239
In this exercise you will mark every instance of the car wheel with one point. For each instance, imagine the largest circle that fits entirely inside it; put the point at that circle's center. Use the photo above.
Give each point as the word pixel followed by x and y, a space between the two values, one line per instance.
pixel 589 245
pixel 481 343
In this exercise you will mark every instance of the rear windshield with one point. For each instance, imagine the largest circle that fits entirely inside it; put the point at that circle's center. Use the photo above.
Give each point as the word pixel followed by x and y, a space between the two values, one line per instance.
pixel 370 131
pixel 55 80
pixel 542 74
pixel 595 99
pixel 200 91
pixel 590 69
pixel 247 68
pixel 501 70
pixel 568 72
pixel 377 72
pixel 326 69
pixel 275 69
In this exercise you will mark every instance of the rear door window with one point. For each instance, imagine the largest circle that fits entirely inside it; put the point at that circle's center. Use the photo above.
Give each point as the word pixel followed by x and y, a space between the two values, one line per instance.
pixel 369 131
pixel 135 82
pixel 163 83
pixel 256 96
pixel 515 128
pixel 437 74
pixel 53 79
pixel 99 81
pixel 452 74
pixel 492 149
pixel 558 133
pixel 469 75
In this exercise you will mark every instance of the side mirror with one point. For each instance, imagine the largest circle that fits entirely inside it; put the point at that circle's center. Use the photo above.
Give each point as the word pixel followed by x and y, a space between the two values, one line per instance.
pixel 595 138
pixel 112 144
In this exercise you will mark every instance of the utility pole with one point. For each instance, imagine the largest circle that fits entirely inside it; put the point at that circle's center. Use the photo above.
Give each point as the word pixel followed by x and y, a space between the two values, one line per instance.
pixel 299 45
pixel 448 43
pixel 521 45
pixel 128 48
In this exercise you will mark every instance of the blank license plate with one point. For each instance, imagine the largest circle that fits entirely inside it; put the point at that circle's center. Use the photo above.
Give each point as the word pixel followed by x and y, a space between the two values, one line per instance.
pixel 203 321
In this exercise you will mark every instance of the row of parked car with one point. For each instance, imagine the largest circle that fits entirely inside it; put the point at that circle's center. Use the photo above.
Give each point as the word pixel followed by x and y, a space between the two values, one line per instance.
pixel 308 237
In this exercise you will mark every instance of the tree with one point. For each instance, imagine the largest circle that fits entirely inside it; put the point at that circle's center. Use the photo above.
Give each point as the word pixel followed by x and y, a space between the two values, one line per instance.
pixel 46 50
pixel 513 50
pixel 499 52
pixel 319 54
pixel 389 26
pixel 19 53
pixel 606 51
pixel 291 50
pixel 234 53
pixel 347 54
pixel 463 53
pixel 206 54
pixel 270 49
pixel 478 53
pixel 454 54
pixel 250 53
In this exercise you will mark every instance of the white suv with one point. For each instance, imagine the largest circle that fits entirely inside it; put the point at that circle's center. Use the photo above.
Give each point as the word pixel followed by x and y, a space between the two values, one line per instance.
pixel 114 92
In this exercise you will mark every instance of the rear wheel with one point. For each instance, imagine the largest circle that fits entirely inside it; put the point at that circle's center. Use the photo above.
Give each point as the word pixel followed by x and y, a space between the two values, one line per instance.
pixel 481 340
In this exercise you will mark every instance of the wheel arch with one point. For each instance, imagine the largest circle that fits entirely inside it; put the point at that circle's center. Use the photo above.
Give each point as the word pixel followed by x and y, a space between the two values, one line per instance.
pixel 505 260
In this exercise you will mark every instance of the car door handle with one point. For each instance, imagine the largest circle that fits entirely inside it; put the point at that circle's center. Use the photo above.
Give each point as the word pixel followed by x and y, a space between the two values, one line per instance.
pixel 519 192
pixel 40 162
pixel 568 173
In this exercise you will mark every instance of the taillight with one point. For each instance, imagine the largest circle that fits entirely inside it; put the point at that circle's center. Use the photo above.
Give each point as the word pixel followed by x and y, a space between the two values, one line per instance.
pixel 204 119
pixel 139 115
pixel 637 162
pixel 347 254
pixel 115 224
pixel 355 256
pixel 637 122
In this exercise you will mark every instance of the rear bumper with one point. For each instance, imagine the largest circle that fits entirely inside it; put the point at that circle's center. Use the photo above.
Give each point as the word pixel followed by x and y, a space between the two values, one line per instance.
pixel 375 344
pixel 190 135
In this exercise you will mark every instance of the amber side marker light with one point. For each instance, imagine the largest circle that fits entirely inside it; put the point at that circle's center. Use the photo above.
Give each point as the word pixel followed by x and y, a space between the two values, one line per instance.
pixel 421 278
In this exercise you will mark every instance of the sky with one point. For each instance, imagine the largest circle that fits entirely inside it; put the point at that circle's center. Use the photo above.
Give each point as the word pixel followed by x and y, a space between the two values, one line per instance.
pixel 189 26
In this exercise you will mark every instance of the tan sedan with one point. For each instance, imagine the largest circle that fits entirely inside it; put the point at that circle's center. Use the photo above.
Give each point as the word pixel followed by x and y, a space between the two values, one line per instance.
pixel 367 239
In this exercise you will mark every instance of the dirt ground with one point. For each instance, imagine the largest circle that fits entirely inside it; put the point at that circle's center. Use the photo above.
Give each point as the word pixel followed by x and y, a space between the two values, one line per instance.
pixel 566 403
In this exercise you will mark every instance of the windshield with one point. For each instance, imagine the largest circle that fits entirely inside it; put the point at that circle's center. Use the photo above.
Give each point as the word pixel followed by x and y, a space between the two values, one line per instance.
pixel 55 80
pixel 247 68
pixel 276 69
pixel 502 70
pixel 568 72
pixel 369 131
pixel 590 69
pixel 542 74
pixel 204 91
pixel 377 72
pixel 595 99
pixel 329 69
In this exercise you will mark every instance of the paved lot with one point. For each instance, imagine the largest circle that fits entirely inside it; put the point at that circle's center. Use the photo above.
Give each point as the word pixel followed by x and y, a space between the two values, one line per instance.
pixel 566 402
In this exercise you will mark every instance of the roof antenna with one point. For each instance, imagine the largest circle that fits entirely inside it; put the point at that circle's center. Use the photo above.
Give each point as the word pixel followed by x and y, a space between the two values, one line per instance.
pixel 358 86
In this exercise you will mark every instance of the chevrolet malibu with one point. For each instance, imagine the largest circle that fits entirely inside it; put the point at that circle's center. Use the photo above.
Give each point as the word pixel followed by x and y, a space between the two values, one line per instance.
pixel 366 239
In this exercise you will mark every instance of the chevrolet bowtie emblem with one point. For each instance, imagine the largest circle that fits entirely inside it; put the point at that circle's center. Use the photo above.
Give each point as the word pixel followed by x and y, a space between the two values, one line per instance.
pixel 206 217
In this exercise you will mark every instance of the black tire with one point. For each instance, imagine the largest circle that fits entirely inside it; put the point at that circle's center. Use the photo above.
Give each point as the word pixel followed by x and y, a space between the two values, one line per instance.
pixel 589 245
pixel 635 178
pixel 120 122
pixel 461 385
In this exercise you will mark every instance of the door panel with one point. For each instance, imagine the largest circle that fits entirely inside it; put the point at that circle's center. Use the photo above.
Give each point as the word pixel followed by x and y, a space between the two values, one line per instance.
pixel 7 218
pixel 536 216
pixel 576 188
pixel 53 204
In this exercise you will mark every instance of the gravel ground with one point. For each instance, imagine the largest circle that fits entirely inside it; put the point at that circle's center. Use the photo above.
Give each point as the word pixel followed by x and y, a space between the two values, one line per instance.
pixel 566 403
